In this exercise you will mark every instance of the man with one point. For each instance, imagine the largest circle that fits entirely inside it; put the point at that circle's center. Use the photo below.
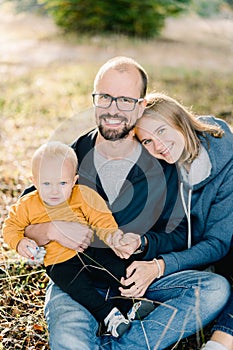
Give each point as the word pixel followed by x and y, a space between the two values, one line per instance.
pixel 142 194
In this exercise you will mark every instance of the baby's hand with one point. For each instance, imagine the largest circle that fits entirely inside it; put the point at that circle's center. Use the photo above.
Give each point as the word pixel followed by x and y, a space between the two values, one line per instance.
pixel 25 247
pixel 114 243
pixel 30 250
pixel 125 245
pixel 114 239
pixel 130 242
pixel 131 239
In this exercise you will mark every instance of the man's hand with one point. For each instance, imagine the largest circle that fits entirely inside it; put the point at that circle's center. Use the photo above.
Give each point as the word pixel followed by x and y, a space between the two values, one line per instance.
pixel 72 235
pixel 38 233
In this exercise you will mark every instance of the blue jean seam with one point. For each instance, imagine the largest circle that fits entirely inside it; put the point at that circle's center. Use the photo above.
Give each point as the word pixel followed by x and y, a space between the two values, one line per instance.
pixel 223 329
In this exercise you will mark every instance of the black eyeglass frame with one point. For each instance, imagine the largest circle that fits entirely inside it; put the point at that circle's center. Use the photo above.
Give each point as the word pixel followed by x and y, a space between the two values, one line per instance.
pixel 135 100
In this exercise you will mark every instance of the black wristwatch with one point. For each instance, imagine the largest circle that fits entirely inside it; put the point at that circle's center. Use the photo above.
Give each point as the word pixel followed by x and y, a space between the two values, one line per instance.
pixel 142 246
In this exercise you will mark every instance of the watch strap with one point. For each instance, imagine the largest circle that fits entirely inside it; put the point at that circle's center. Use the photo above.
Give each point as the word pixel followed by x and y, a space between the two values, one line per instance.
pixel 142 246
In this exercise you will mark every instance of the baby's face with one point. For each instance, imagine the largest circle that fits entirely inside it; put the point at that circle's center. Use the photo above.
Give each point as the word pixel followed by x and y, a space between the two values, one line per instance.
pixel 55 181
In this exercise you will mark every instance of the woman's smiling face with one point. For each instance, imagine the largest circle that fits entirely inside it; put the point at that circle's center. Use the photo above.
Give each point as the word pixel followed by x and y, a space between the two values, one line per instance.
pixel 160 138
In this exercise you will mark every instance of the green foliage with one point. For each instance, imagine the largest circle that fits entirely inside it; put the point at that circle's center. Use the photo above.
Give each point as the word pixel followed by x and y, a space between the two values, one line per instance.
pixel 230 2
pixel 27 5
pixel 130 17
pixel 206 8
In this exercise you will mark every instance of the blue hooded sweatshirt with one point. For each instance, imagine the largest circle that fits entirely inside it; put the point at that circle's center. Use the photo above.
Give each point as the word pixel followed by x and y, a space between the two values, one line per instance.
pixel 209 204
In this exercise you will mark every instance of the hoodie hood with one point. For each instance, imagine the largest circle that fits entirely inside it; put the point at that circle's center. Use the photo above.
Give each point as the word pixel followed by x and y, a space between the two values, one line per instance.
pixel 219 150
pixel 215 155
pixel 208 207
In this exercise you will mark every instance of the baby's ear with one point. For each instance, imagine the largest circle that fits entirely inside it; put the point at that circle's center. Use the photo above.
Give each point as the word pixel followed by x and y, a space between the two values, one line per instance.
pixel 75 179
pixel 32 179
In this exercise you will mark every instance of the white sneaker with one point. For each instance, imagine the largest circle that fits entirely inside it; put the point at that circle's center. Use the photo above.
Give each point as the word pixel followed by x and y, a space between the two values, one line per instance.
pixel 140 310
pixel 213 345
pixel 116 323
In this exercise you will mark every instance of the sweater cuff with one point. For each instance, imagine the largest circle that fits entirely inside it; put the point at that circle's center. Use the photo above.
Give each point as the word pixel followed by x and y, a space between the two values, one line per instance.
pixel 171 263
pixel 14 242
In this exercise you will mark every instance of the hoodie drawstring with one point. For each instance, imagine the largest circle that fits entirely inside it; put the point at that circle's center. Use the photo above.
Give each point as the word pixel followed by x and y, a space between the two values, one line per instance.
pixel 187 209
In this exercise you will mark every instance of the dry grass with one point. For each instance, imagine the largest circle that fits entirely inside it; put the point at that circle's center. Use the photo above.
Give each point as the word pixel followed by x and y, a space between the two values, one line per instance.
pixel 46 81
pixel 46 78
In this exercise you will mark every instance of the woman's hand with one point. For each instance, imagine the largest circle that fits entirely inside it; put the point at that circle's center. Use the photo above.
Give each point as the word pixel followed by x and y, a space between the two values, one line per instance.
pixel 139 275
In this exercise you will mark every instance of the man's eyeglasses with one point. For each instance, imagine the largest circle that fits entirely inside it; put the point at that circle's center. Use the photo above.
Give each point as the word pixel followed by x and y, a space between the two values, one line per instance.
pixel 123 103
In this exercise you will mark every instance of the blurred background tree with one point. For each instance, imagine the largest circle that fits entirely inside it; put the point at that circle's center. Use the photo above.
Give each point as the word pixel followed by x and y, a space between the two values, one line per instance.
pixel 135 18
pixel 207 8
pixel 130 17
pixel 27 6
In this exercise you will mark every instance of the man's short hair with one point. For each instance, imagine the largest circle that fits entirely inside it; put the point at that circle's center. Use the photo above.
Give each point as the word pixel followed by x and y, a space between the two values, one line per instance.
pixel 122 64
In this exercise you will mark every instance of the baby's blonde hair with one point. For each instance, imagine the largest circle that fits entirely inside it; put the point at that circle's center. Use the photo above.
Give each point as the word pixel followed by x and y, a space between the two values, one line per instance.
pixel 52 150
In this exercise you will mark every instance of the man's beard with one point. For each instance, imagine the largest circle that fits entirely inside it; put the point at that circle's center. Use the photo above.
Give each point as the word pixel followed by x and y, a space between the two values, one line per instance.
pixel 114 135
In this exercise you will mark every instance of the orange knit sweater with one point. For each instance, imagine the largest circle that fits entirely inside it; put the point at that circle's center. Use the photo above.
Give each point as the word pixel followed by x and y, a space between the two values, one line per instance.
pixel 84 206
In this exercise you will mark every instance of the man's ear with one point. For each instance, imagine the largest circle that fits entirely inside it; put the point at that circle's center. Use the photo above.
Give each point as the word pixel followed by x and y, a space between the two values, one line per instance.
pixel 142 108
pixel 144 102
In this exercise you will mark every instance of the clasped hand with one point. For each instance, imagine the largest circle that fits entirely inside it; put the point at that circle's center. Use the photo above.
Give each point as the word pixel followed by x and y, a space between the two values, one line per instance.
pixel 124 245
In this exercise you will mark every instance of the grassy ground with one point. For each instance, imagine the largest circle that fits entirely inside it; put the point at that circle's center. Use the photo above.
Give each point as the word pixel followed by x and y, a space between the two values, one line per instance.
pixel 46 82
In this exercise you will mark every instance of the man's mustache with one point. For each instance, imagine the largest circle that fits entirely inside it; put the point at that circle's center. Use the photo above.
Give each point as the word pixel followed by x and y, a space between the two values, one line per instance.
pixel 116 116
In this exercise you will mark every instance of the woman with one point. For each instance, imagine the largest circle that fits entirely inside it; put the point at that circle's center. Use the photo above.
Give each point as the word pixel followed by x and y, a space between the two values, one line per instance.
pixel 202 148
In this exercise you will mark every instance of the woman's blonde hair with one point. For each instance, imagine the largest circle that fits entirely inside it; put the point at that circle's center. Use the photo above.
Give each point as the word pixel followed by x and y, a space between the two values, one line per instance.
pixel 161 106
pixel 51 150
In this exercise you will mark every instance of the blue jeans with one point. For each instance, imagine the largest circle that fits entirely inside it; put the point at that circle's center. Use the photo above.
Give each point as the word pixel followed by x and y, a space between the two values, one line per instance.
pixel 225 320
pixel 187 301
